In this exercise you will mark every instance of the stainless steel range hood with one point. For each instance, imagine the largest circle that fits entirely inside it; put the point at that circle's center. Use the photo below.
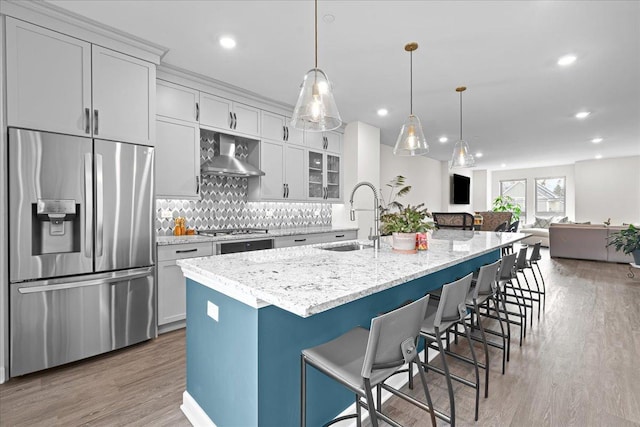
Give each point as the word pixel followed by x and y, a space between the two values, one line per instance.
pixel 227 164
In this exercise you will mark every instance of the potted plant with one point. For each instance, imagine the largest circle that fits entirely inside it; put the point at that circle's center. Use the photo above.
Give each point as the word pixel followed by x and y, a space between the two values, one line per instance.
pixel 404 224
pixel 627 241
pixel 507 204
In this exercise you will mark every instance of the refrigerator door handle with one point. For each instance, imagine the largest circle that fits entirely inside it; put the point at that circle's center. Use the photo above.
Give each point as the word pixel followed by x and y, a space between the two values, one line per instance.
pixel 112 278
pixel 99 205
pixel 88 205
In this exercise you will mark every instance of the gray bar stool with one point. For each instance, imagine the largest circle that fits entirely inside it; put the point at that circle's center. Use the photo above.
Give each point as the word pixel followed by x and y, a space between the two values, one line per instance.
pixel 533 261
pixel 362 359
pixel 441 316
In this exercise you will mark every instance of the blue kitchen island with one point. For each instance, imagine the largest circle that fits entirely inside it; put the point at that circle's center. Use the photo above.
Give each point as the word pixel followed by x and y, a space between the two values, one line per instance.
pixel 250 314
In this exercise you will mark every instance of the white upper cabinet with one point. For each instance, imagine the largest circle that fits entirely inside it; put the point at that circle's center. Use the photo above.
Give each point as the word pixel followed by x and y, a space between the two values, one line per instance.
pixel 278 128
pixel 48 80
pixel 123 97
pixel 177 159
pixel 284 178
pixel 326 141
pixel 229 116
pixel 272 164
pixel 177 102
pixel 294 136
pixel 61 84
pixel 274 126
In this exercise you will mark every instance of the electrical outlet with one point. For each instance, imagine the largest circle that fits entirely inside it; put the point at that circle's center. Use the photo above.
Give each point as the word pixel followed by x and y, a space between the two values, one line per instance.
pixel 212 310
pixel 166 213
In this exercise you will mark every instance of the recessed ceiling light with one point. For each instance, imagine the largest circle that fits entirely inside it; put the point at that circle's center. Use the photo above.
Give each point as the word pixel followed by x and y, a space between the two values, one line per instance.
pixel 596 140
pixel 227 42
pixel 567 60
pixel 582 114
pixel 443 139
pixel 479 154
pixel 598 156
pixel 383 112
pixel 504 165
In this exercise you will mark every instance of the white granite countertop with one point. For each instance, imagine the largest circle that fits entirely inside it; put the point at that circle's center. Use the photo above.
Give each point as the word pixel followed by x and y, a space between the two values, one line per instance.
pixel 306 280
pixel 178 240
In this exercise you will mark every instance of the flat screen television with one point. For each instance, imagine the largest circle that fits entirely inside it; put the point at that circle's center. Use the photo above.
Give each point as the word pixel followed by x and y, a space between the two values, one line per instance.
pixel 460 189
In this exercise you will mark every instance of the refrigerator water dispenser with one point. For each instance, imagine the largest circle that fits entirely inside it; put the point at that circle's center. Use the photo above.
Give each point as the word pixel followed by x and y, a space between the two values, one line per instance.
pixel 55 226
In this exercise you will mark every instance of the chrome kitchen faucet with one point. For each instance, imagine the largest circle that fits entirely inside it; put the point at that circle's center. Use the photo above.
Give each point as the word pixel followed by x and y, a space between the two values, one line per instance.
pixel 376 213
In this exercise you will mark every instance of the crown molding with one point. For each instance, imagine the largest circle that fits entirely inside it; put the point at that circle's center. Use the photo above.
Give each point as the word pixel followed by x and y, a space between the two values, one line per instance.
pixel 204 83
pixel 64 21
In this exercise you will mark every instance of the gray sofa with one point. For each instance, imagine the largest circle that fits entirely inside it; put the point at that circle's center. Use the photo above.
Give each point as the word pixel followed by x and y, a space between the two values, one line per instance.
pixel 584 241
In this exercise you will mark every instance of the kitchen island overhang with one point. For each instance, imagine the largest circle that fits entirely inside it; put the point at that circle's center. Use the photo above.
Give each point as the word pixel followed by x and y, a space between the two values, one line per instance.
pixel 243 367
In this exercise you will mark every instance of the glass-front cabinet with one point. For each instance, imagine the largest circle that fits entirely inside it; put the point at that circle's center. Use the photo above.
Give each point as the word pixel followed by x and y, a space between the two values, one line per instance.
pixel 323 176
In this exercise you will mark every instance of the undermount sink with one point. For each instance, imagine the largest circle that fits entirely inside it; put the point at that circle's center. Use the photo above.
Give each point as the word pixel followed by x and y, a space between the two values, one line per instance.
pixel 348 247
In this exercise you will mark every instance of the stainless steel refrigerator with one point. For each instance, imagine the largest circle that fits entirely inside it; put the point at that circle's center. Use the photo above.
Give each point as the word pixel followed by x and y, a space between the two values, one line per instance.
pixel 81 259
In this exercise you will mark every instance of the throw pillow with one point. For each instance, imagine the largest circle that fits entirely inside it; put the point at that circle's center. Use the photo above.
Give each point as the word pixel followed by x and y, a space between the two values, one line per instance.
pixel 542 222
pixel 560 219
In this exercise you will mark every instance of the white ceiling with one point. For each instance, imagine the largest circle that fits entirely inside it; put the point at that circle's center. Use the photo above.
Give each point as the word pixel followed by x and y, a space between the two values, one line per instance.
pixel 519 106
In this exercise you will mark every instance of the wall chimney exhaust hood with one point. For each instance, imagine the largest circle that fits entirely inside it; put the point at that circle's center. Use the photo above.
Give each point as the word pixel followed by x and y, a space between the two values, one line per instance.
pixel 227 164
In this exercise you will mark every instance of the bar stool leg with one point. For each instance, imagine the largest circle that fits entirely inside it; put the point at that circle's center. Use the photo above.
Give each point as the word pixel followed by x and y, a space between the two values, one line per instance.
pixel 423 379
pixel 475 365
pixel 447 376
pixel 502 331
pixel 370 403
pixel 486 349
pixel 303 392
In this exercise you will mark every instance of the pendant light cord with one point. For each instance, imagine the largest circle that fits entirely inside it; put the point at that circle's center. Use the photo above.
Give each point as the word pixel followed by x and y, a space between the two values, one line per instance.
pixel 460 115
pixel 316 33
pixel 411 83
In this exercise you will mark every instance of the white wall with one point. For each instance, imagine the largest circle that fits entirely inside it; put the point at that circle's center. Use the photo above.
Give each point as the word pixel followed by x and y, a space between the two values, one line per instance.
pixel 421 173
pixel 608 188
pixel 480 194
pixel 530 175
pixel 361 162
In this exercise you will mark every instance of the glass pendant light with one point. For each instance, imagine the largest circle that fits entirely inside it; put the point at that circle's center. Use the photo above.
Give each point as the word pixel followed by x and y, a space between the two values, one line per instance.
pixel 411 141
pixel 461 158
pixel 316 110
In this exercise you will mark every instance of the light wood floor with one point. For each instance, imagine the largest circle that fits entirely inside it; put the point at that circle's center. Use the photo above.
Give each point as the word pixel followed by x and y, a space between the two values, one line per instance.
pixel 579 366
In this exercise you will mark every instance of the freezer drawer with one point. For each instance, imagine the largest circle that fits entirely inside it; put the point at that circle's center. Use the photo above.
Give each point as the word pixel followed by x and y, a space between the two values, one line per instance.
pixel 59 321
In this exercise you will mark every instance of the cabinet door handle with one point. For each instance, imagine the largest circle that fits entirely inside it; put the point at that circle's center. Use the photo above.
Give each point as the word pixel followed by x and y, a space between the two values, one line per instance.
pixel 230 120
pixel 235 120
pixel 184 251
pixel 197 184
pixel 287 190
pixel 339 236
pixel 284 133
pixel 197 112
pixel 284 190
pixel 95 122
pixel 300 240
pixel 286 128
pixel 87 120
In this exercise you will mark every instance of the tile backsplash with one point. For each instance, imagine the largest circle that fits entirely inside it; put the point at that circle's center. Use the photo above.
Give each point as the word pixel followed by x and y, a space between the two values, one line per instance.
pixel 223 202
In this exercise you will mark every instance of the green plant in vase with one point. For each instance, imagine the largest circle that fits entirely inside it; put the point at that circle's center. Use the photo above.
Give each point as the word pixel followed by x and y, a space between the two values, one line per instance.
pixel 403 222
pixel 627 241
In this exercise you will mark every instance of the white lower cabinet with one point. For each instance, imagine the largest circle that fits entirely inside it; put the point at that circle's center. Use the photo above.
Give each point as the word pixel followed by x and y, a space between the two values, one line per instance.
pixel 172 309
pixel 314 238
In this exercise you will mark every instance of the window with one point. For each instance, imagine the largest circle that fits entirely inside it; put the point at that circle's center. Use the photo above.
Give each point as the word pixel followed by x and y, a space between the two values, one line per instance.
pixel 550 196
pixel 517 190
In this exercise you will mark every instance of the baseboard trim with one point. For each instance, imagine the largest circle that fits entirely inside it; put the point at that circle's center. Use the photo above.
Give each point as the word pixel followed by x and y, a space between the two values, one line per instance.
pixel 194 413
